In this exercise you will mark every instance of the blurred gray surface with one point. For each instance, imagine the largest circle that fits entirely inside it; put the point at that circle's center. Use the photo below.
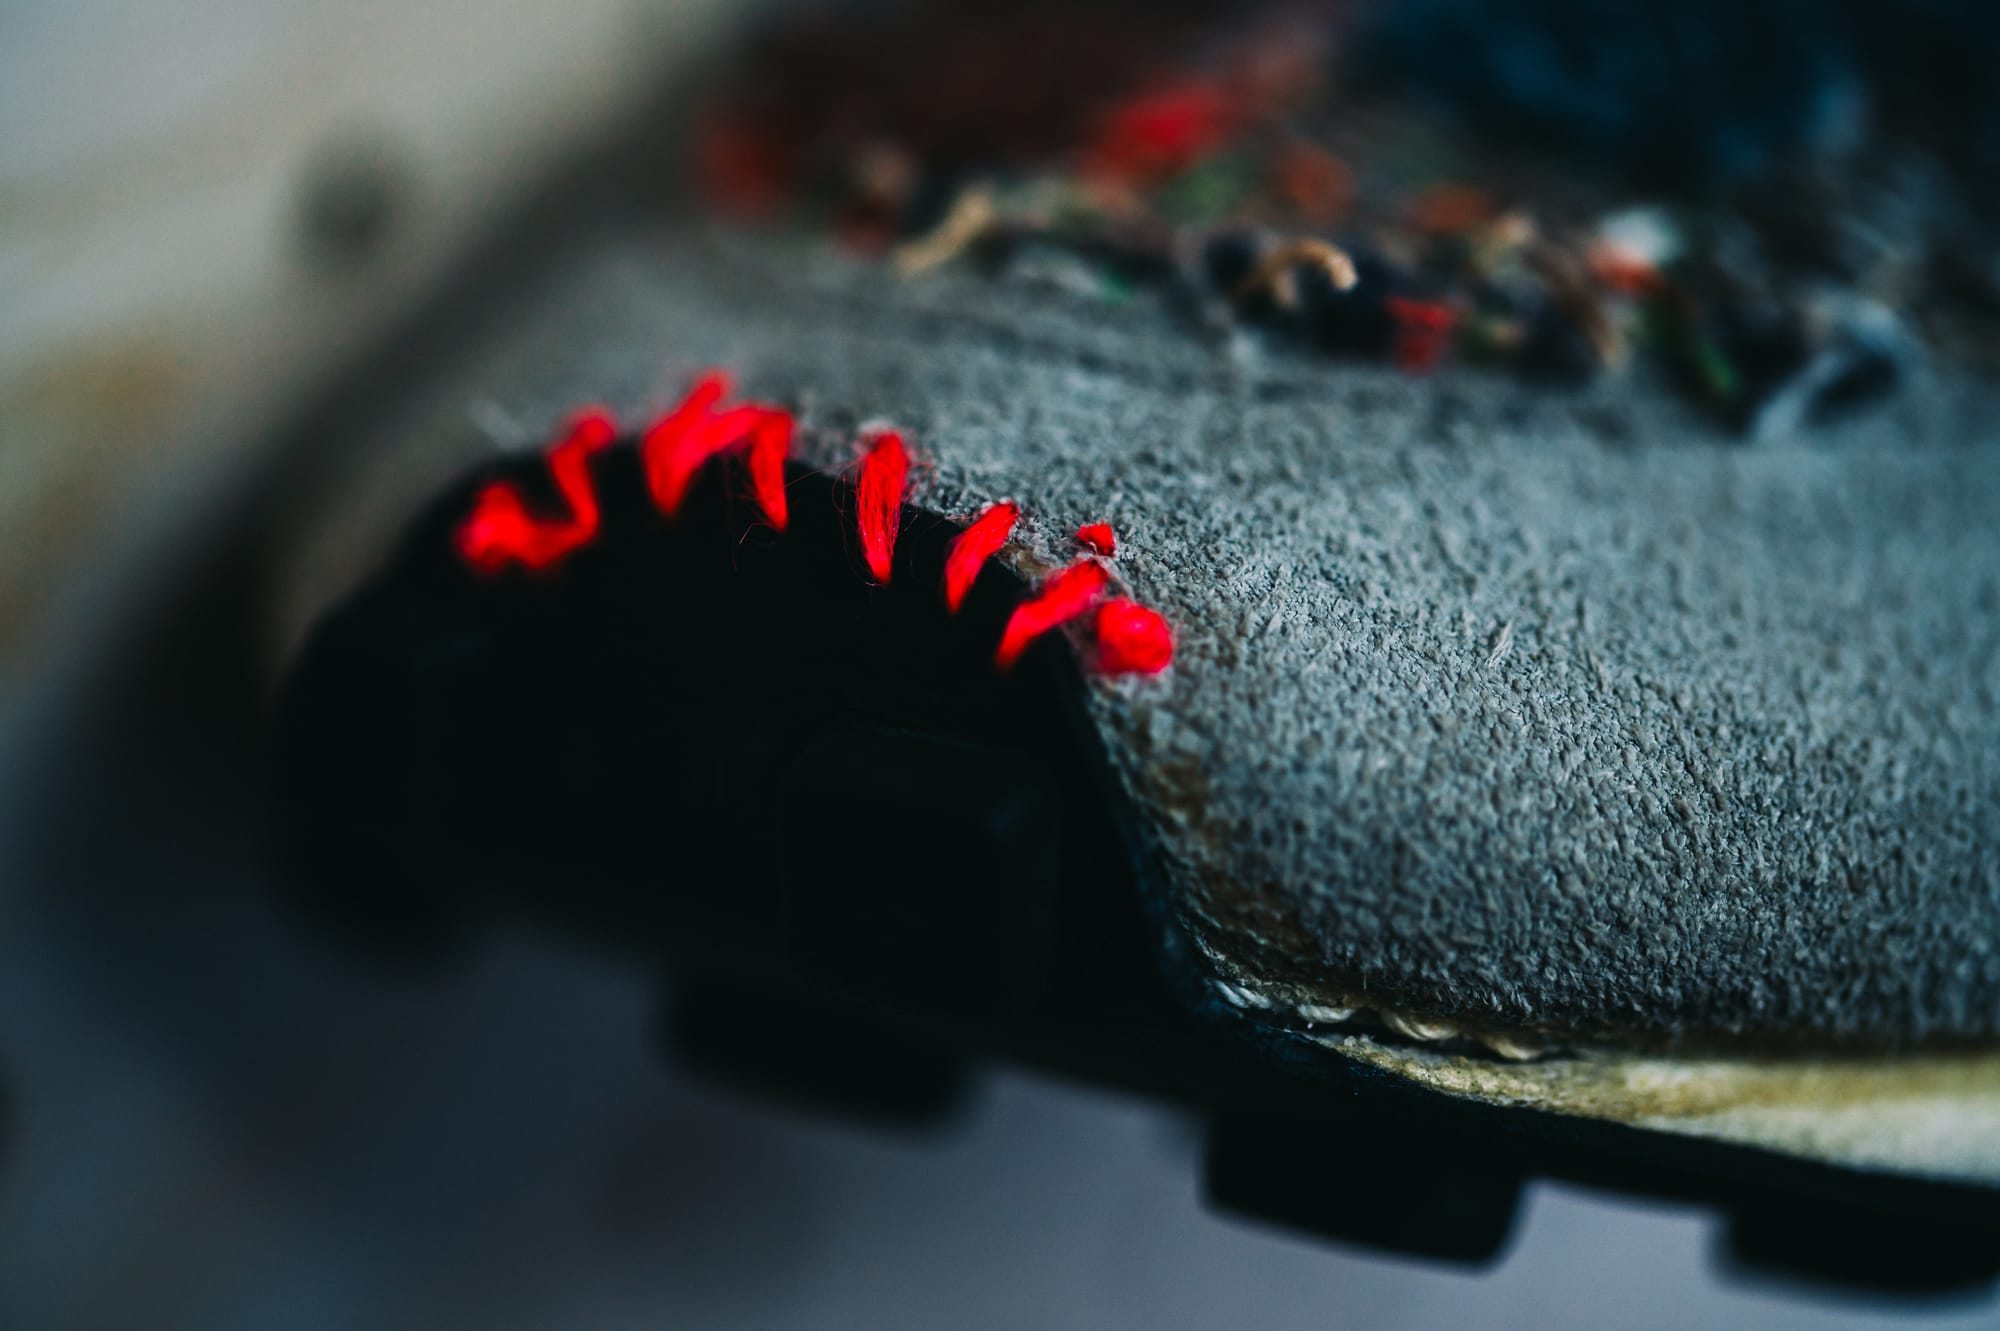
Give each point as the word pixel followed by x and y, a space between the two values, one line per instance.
pixel 157 297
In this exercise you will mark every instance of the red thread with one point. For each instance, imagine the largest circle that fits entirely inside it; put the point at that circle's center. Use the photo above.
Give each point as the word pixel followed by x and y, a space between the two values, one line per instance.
pixel 971 548
pixel 500 529
pixel 1423 330
pixel 1097 537
pixel 770 445
pixel 679 444
pixel 674 447
pixel 590 430
pixel 1059 599
pixel 765 433
pixel 878 497
pixel 1132 639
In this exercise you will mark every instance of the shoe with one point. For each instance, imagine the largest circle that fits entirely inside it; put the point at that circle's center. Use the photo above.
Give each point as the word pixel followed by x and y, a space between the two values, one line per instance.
pixel 1525 782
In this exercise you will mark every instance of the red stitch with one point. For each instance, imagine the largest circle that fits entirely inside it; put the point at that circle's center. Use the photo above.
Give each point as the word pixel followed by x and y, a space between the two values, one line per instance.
pixel 878 499
pixel 500 529
pixel 1132 639
pixel 590 430
pixel 765 433
pixel 770 445
pixel 1097 537
pixel 971 548
pixel 674 447
pixel 680 443
pixel 662 443
pixel 1058 600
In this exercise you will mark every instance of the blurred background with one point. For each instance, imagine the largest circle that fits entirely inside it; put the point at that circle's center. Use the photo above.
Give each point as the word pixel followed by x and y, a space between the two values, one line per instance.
pixel 210 210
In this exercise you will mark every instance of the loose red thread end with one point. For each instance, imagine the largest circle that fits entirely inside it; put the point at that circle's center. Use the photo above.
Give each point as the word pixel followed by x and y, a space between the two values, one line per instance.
pixel 1097 537
pixel 1423 331
pixel 878 496
pixel 971 548
pixel 1058 600
pixel 1132 639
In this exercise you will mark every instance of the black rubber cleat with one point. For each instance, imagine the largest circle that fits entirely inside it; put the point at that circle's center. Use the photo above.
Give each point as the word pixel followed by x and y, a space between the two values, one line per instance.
pixel 807 1050
pixel 1367 1179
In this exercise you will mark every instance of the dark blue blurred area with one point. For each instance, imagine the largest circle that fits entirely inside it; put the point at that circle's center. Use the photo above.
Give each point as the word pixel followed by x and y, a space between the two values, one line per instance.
pixel 1707 90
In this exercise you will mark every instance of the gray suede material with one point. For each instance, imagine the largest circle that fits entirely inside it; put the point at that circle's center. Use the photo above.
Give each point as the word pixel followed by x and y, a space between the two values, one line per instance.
pixel 1530 710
